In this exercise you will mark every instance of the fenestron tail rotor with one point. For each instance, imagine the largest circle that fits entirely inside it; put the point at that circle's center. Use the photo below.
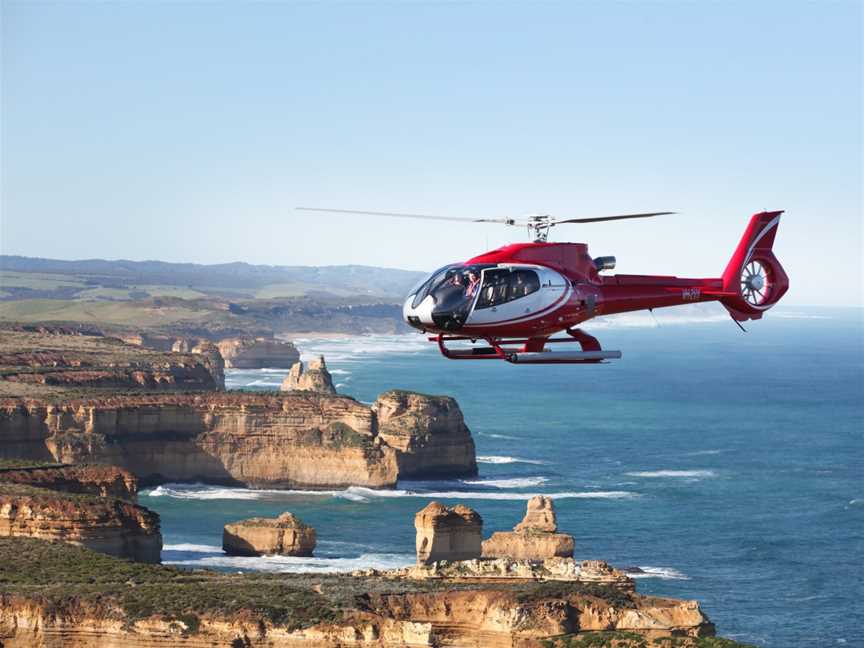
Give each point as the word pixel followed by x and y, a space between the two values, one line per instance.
pixel 755 283
pixel 538 224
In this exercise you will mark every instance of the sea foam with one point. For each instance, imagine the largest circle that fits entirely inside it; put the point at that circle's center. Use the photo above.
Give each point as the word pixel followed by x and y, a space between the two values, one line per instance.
pixel 672 473
pixel 361 494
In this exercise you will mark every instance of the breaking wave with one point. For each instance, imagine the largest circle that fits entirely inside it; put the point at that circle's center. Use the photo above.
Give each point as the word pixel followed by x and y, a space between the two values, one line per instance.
pixel 516 482
pixel 361 494
pixel 356 348
pixel 173 555
pixel 493 459
pixel 672 473
pixel 664 573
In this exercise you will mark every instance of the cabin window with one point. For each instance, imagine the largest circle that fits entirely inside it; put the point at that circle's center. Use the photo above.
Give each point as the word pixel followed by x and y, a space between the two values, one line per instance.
pixel 505 285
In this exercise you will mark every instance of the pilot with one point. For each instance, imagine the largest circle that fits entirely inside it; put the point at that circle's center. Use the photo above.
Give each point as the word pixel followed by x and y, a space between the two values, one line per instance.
pixel 473 283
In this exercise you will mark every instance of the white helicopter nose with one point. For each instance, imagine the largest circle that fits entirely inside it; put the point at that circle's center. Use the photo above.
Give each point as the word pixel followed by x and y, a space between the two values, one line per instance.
pixel 419 317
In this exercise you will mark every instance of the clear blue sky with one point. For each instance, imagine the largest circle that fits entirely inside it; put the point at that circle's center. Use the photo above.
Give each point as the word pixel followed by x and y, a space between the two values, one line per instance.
pixel 187 132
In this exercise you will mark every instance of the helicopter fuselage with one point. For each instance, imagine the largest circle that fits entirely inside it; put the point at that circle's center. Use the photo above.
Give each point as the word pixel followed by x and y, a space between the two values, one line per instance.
pixel 525 293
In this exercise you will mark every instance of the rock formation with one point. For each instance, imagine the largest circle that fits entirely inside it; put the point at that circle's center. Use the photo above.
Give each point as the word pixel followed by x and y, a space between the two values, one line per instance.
pixel 534 538
pixel 258 353
pixel 550 569
pixel 429 431
pixel 47 363
pixel 447 533
pixel 285 535
pixel 276 440
pixel 313 378
pixel 540 516
pixel 209 608
pixel 106 525
pixel 105 481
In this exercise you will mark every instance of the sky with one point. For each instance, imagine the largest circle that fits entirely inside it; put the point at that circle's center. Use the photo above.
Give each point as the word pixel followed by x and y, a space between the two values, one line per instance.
pixel 190 131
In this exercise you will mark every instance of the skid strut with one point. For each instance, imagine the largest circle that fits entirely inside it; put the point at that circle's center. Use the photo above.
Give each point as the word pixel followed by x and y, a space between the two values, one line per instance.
pixel 528 350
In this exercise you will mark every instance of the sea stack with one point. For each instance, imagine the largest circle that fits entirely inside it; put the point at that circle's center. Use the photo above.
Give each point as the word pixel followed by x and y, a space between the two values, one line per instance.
pixel 535 538
pixel 314 378
pixel 285 535
pixel 448 533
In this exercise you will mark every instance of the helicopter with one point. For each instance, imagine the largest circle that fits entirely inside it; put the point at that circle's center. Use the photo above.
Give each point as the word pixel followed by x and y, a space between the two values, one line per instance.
pixel 525 301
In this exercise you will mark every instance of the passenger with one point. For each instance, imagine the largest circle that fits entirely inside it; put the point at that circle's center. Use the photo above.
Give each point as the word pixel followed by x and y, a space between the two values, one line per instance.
pixel 473 283
pixel 520 288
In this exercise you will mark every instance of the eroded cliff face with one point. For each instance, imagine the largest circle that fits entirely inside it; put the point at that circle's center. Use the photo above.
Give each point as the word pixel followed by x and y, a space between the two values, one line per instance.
pixel 105 481
pixel 112 526
pixel 276 440
pixel 40 361
pixel 480 618
pixel 429 430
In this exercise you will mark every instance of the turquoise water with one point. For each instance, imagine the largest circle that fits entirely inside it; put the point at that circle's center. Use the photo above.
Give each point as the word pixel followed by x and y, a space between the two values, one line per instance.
pixel 727 466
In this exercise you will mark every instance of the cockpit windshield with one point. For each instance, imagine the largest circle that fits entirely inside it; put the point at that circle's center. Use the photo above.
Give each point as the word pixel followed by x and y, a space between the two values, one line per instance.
pixel 453 289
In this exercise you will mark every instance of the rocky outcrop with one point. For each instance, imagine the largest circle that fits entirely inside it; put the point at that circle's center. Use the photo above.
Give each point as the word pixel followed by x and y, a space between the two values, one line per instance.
pixel 540 516
pixel 430 432
pixel 276 440
pixel 313 378
pixel 61 361
pixel 551 569
pixel 447 533
pixel 146 606
pixel 528 545
pixel 106 525
pixel 285 535
pixel 105 481
pixel 532 539
pixel 258 353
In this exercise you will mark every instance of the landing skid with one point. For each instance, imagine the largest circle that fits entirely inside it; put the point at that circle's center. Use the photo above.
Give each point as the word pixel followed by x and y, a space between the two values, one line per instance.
pixel 528 350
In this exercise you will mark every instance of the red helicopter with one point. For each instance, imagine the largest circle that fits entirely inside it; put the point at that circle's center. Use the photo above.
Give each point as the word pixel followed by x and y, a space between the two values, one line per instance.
pixel 518 297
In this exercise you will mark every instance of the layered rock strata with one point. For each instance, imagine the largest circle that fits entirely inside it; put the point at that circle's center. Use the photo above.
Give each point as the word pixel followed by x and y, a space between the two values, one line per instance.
pixel 447 533
pixel 105 481
pixel 151 606
pixel 276 440
pixel 534 538
pixel 106 525
pixel 285 535
pixel 258 353
pixel 429 431
pixel 61 361
pixel 313 377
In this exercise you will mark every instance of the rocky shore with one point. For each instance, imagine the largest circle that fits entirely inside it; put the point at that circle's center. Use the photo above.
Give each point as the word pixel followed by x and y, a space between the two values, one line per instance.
pixel 49 597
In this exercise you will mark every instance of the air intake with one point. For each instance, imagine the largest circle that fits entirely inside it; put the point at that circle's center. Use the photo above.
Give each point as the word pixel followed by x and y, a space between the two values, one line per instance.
pixel 605 263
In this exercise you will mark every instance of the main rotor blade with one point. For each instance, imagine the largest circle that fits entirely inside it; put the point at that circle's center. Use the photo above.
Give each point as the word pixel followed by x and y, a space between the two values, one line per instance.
pixel 610 218
pixel 505 221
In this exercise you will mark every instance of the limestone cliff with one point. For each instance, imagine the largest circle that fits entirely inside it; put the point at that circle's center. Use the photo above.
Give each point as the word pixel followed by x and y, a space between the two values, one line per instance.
pixel 277 440
pixel 258 353
pixel 105 481
pixel 111 526
pixel 39 362
pixel 429 430
pixel 150 606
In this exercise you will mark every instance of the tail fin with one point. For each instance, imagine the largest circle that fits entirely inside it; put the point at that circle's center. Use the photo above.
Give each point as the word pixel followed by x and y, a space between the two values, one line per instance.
pixel 753 273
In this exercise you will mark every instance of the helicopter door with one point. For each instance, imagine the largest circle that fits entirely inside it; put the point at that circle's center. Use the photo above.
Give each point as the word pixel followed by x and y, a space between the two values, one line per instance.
pixel 507 294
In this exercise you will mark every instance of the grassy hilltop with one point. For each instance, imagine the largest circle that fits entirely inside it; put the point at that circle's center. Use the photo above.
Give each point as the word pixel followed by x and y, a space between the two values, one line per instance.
pixel 185 297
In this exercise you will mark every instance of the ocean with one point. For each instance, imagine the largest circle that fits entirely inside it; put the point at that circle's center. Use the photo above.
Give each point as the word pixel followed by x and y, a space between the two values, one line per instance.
pixel 728 466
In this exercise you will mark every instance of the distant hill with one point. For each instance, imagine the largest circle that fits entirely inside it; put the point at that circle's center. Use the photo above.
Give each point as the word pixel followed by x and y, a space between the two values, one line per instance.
pixel 36 278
